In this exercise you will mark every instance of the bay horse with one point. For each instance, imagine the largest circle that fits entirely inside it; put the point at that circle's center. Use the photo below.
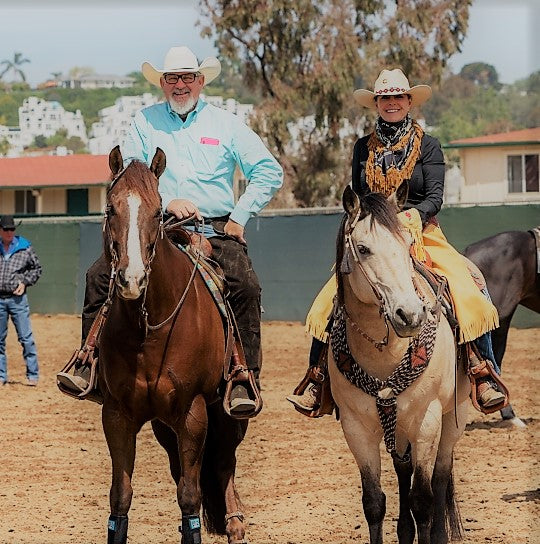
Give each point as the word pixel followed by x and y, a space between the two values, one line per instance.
pixel 162 351
pixel 508 260
pixel 420 416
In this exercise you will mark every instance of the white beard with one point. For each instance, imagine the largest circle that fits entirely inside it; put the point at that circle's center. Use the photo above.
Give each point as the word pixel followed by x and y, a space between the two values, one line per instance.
pixel 186 108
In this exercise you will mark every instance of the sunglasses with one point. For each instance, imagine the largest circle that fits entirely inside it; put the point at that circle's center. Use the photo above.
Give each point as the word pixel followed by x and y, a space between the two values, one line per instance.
pixel 172 79
pixel 9 229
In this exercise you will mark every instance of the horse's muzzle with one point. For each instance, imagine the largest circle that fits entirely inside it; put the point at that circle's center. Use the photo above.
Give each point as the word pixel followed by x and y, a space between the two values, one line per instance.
pixel 130 287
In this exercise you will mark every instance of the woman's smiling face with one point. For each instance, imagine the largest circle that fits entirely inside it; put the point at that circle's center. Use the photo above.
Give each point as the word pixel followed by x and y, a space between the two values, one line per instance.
pixel 393 108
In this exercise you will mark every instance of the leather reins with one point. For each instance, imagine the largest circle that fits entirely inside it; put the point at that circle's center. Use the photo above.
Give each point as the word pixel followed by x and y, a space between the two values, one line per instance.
pixel 351 249
pixel 148 268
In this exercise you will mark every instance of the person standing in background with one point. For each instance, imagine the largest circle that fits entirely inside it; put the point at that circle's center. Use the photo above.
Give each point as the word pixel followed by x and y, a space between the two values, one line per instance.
pixel 19 268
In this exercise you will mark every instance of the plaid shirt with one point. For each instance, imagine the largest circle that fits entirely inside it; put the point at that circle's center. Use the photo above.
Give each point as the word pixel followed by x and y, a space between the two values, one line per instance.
pixel 22 265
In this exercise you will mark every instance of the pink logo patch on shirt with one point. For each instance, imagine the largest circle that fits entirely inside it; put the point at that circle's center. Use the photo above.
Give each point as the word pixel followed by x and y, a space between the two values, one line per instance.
pixel 209 141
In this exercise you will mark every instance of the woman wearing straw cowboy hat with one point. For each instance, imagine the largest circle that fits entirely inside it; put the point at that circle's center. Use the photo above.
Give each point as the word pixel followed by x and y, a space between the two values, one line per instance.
pixel 399 149
pixel 203 144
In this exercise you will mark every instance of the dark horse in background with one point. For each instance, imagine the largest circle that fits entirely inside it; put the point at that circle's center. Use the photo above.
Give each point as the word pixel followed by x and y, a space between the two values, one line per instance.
pixel 162 352
pixel 509 262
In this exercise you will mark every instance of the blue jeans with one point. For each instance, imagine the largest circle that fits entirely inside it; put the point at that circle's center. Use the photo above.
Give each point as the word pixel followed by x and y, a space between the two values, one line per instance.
pixel 17 307
pixel 484 345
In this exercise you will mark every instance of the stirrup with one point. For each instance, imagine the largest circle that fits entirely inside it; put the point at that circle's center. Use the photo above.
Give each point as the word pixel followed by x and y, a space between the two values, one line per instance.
pixel 242 376
pixel 80 357
pixel 317 375
pixel 482 370
pixel 239 374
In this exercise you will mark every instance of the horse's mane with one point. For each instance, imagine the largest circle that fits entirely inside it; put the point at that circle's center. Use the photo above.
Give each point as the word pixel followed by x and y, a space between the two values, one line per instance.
pixel 382 211
pixel 138 177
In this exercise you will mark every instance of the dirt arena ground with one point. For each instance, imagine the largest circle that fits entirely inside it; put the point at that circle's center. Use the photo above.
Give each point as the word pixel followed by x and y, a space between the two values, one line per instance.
pixel 296 476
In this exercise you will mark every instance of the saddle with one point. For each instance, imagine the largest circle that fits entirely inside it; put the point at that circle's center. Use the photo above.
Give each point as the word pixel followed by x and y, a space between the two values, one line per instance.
pixel 235 369
pixel 476 367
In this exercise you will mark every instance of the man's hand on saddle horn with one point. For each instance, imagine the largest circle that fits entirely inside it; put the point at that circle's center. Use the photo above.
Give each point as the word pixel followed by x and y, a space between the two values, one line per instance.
pixel 184 209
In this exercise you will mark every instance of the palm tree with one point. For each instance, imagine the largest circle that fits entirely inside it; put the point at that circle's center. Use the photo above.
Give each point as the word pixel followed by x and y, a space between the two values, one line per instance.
pixel 14 66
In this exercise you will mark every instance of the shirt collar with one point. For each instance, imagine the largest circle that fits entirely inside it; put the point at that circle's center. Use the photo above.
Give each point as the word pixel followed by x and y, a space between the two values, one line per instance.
pixel 191 115
pixel 12 246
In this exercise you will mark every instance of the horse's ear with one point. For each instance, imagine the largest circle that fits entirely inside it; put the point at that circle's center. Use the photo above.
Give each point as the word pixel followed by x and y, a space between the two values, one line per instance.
pixel 399 196
pixel 351 202
pixel 159 162
pixel 116 163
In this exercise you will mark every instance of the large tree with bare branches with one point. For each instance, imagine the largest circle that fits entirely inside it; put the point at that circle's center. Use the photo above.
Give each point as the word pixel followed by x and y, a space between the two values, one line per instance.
pixel 305 57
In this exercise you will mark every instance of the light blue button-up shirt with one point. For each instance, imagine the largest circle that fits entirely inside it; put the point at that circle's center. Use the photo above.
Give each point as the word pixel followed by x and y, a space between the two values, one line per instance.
pixel 202 153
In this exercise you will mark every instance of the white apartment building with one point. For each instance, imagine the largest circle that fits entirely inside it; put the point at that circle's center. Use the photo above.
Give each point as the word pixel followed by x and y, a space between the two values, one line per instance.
pixel 114 123
pixel 97 81
pixel 230 104
pixel 40 117
pixel 113 126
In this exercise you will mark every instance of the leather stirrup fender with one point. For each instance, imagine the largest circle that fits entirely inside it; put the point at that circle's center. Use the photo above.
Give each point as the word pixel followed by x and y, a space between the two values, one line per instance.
pixel 85 356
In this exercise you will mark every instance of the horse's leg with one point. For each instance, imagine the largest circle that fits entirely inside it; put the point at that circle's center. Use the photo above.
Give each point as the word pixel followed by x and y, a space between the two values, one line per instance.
pixel 120 433
pixel 424 454
pixel 169 441
pixel 405 525
pixel 191 431
pixel 365 449
pixel 224 436
pixel 499 339
pixel 446 513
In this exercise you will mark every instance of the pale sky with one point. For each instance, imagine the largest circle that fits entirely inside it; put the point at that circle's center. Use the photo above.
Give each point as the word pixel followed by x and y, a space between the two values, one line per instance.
pixel 116 36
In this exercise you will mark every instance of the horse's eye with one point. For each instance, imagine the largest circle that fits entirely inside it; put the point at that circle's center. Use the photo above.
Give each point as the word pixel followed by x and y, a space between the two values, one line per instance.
pixel 157 215
pixel 363 250
pixel 110 211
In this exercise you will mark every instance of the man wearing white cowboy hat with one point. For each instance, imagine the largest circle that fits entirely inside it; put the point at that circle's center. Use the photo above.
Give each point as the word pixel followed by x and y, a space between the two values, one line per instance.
pixel 203 145
pixel 397 150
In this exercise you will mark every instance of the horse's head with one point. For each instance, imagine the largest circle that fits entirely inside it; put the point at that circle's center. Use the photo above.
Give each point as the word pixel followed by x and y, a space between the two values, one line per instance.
pixel 373 250
pixel 133 220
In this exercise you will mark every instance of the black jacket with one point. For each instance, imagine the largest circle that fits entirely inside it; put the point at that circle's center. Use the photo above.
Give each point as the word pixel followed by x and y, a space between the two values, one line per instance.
pixel 426 186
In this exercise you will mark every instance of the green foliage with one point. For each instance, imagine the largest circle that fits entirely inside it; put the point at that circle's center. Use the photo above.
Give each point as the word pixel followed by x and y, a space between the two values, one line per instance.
pixel 484 112
pixel 40 141
pixel 303 57
pixel 4 147
pixel 14 66
pixel 482 74
pixel 89 101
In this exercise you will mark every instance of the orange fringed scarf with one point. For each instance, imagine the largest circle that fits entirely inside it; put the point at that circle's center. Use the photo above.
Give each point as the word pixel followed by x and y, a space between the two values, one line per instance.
pixel 386 184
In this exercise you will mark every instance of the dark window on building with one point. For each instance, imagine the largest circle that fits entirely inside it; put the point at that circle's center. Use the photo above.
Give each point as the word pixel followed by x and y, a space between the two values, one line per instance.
pixel 523 174
pixel 25 202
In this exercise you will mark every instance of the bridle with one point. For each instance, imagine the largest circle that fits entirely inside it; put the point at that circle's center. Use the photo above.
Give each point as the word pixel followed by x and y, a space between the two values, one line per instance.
pixel 148 267
pixel 351 249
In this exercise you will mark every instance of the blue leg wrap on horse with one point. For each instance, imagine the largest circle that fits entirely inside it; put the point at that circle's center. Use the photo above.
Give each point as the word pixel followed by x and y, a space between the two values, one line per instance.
pixel 117 530
pixel 191 529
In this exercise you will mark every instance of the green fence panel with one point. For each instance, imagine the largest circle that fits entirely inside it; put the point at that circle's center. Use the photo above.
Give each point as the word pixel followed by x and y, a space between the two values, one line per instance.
pixel 57 247
pixel 292 254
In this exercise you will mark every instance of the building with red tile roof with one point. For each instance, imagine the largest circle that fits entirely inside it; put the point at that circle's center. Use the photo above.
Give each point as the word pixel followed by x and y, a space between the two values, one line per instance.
pixel 500 168
pixel 53 185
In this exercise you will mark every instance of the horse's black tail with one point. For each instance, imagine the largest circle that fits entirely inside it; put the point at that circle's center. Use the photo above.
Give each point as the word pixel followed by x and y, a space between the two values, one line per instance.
pixel 219 463
pixel 453 518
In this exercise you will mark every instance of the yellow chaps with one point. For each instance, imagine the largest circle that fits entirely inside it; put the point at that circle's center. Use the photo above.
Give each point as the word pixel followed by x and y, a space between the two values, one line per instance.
pixel 476 315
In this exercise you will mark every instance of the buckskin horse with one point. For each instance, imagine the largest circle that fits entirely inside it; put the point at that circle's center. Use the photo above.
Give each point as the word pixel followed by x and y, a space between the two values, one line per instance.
pixel 510 264
pixel 162 352
pixel 383 337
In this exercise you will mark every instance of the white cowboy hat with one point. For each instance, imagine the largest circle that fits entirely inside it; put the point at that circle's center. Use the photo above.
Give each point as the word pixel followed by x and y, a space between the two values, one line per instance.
pixel 182 59
pixel 389 83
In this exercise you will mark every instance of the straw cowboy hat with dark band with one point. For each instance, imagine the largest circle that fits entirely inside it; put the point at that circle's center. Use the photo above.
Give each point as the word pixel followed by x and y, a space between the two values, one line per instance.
pixel 182 59
pixel 391 83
